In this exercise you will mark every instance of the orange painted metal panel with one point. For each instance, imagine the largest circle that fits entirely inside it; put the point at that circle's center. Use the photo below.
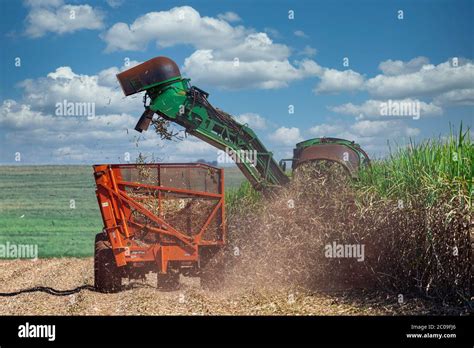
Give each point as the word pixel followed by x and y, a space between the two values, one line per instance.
pixel 132 207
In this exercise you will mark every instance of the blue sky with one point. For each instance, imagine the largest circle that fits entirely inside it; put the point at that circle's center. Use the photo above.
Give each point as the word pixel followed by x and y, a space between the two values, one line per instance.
pixel 423 60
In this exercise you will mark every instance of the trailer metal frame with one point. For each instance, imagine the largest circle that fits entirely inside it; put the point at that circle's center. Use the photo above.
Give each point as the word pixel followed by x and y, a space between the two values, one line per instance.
pixel 172 245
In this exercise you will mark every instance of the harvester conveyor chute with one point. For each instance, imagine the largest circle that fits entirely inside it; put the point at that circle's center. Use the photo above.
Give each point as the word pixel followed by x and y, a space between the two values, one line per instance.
pixel 174 99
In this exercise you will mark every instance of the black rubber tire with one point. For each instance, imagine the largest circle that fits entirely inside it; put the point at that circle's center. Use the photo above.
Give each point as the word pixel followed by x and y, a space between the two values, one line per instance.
pixel 107 277
pixel 168 281
pixel 212 269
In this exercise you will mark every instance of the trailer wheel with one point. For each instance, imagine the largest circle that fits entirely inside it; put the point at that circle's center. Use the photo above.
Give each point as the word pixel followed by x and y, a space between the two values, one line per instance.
pixel 107 276
pixel 212 269
pixel 168 281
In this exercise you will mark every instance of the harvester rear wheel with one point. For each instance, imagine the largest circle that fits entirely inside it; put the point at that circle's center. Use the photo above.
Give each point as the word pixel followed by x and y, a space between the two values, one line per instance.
pixel 168 281
pixel 107 276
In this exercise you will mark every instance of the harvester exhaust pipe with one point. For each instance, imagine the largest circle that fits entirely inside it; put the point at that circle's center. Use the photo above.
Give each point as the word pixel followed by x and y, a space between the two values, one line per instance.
pixel 144 121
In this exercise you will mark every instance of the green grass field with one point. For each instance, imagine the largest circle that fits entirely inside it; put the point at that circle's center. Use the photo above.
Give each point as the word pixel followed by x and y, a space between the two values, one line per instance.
pixel 35 208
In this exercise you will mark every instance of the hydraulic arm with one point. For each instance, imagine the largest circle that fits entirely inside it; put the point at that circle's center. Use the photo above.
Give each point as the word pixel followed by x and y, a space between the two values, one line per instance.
pixel 173 98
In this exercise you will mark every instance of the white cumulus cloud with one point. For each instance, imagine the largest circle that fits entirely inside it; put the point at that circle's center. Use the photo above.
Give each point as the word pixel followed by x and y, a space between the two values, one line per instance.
pixel 286 136
pixel 264 74
pixel 64 84
pixel 372 108
pixel 334 81
pixel 308 51
pixel 229 16
pixel 57 17
pixel 372 135
pixel 430 80
pixel 456 97
pixel 253 120
pixel 398 67
pixel 326 130
pixel 300 33
pixel 226 56
pixel 179 25
pixel 385 129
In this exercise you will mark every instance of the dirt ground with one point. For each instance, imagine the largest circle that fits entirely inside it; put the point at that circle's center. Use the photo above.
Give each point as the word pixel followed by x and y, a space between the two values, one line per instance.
pixel 64 286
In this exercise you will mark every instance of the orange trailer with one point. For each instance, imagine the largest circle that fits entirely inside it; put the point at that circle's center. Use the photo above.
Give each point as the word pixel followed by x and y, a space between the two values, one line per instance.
pixel 163 218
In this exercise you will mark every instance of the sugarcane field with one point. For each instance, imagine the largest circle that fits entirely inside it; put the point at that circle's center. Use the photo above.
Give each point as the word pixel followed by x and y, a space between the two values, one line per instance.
pixel 280 168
